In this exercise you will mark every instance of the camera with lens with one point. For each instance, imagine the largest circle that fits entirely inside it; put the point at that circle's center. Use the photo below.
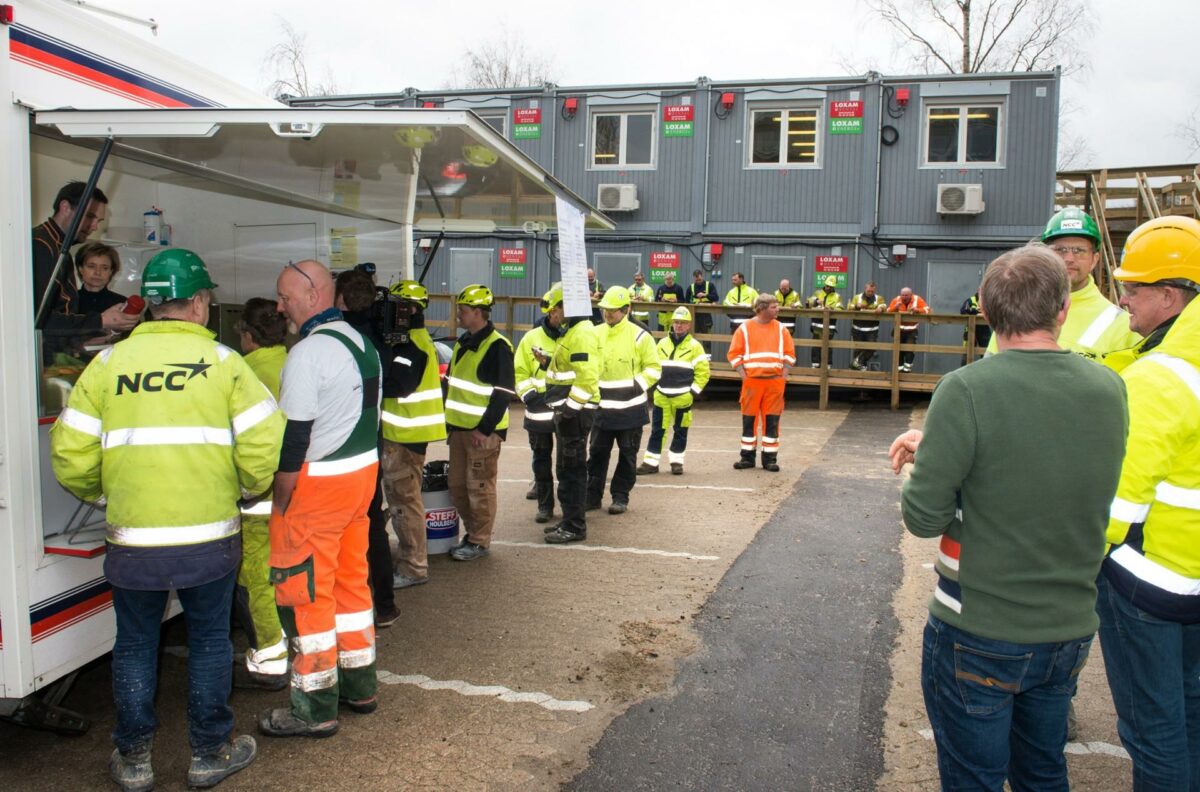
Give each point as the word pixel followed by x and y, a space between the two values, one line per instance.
pixel 391 317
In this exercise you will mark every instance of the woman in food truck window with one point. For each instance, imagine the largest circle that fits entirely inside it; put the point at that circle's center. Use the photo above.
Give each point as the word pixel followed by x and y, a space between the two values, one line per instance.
pixel 97 264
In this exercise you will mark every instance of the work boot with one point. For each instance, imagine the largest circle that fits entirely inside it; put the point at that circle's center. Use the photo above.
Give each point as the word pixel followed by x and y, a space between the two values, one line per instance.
pixel 544 516
pixel 402 581
pixel 676 468
pixel 282 722
pixel 360 706
pixel 646 469
pixel 386 618
pixel 468 551
pixel 210 770
pixel 245 679
pixel 532 493
pixel 132 771
pixel 561 535
pixel 746 462
pixel 618 507
pixel 769 463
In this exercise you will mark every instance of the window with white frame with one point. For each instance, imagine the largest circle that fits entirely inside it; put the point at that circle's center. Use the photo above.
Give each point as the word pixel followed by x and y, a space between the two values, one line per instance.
pixel 784 137
pixel 623 139
pixel 962 134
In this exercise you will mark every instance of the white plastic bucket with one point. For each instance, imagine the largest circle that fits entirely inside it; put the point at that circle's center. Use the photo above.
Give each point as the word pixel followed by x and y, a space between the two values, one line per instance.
pixel 441 518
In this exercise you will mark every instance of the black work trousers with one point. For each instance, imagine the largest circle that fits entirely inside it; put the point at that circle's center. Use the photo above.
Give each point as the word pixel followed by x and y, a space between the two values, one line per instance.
pixel 542 446
pixel 627 441
pixel 863 357
pixel 571 430
pixel 379 551
pixel 908 337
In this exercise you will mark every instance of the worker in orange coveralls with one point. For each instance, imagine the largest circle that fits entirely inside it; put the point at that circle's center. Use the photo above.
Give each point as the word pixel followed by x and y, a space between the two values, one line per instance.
pixel 327 470
pixel 761 352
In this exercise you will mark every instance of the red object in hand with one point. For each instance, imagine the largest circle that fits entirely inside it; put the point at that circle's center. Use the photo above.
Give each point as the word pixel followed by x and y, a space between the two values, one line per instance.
pixel 134 306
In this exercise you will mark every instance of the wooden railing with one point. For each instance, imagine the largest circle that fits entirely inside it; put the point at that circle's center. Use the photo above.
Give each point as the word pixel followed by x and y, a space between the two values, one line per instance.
pixel 825 377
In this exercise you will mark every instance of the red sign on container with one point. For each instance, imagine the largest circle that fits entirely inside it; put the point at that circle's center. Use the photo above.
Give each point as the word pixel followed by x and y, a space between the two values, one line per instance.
pixel 832 263
pixel 527 115
pixel 512 255
pixel 663 260
pixel 679 112
pixel 846 109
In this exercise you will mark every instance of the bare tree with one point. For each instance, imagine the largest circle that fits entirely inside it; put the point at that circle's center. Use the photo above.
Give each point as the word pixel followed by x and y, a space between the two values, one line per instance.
pixel 967 36
pixel 501 62
pixel 287 62
pixel 1188 131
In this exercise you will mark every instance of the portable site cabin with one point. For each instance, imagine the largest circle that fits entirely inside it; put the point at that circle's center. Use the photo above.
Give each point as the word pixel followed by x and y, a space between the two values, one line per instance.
pixel 246 183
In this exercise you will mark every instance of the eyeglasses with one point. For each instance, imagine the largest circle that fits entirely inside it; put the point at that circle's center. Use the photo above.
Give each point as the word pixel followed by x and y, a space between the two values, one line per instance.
pixel 293 265
pixel 1063 250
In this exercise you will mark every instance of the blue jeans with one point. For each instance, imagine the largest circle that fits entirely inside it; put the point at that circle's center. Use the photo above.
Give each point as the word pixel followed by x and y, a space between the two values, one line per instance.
pixel 999 709
pixel 139 614
pixel 1153 669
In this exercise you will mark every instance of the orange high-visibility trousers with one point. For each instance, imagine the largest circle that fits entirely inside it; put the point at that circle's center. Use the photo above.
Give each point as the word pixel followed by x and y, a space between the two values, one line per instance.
pixel 319 568
pixel 761 401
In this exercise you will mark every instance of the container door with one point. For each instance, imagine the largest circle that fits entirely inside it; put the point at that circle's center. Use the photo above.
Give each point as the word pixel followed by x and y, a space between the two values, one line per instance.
pixel 950 282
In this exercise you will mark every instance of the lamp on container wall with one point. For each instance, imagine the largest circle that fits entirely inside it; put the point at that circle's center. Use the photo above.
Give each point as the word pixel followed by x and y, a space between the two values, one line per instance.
pixel 724 106
pixel 902 96
pixel 899 254
pixel 429 103
pixel 712 252
pixel 570 107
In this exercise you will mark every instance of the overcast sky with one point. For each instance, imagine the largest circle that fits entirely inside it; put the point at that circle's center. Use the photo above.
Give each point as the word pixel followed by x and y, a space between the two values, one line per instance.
pixel 1144 78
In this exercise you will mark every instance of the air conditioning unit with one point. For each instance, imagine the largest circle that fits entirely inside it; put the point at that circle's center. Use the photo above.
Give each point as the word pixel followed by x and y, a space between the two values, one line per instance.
pixel 617 197
pixel 962 199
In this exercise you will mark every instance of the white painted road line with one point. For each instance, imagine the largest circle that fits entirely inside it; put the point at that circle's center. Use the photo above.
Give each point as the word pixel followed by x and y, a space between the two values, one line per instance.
pixel 640 484
pixel 500 692
pixel 1093 747
pixel 606 549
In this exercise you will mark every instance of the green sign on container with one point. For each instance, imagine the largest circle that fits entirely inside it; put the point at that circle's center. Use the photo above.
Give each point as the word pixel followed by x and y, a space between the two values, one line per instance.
pixel 845 126
pixel 527 131
pixel 512 270
pixel 677 129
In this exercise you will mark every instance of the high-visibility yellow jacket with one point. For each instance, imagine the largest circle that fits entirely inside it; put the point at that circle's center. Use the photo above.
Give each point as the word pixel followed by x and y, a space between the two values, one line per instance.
pixel 170 428
pixel 685 371
pixel 1094 327
pixel 643 293
pixel 820 299
pixel 789 300
pixel 267 365
pixel 418 417
pixel 574 370
pixel 740 295
pixel 1155 518
pixel 628 369
pixel 531 378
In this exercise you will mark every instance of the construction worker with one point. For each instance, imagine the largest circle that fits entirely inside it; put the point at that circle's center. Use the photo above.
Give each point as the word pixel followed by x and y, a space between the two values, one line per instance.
pixel 685 372
pixel 412 418
pixel 572 373
pixel 531 387
pixel 261 332
pixel 908 303
pixel 481 384
pixel 668 292
pixel 1095 327
pixel 640 291
pixel 869 301
pixel 327 474
pixel 983 333
pixel 824 297
pixel 169 428
pixel 628 369
pixel 1149 585
pixel 702 292
pixel 739 294
pixel 789 300
pixel 596 290
pixel 761 352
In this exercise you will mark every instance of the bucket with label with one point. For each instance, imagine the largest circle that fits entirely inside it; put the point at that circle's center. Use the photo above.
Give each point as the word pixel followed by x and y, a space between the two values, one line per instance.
pixel 152 226
pixel 441 518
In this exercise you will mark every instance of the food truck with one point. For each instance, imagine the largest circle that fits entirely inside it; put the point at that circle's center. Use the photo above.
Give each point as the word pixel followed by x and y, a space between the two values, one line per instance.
pixel 245 182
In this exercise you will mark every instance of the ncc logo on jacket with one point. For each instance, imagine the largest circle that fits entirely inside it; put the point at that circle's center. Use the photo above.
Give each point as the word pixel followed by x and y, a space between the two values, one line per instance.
pixel 155 381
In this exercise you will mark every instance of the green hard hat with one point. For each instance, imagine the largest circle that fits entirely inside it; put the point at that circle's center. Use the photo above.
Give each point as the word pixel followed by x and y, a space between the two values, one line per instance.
pixel 476 295
pixel 174 274
pixel 1071 222
pixel 552 298
pixel 616 297
pixel 411 291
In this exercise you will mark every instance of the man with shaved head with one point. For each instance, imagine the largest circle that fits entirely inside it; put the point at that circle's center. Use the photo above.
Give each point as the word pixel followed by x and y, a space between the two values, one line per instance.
pixel 327 469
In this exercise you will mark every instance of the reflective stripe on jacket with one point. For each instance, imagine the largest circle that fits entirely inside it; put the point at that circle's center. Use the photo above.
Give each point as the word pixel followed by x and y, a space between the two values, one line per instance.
pixel 418 417
pixel 628 369
pixel 468 397
pixel 832 301
pixel 764 350
pixel 571 378
pixel 917 305
pixel 531 378
pixel 685 371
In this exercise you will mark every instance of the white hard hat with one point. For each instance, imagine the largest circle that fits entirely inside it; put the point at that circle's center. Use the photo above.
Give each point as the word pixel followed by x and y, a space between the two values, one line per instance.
pixel 681 315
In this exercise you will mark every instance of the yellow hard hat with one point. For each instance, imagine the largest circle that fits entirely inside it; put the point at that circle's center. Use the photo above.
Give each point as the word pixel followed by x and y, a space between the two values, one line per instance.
pixel 831 281
pixel 1165 248
pixel 552 298
pixel 681 315
pixel 615 297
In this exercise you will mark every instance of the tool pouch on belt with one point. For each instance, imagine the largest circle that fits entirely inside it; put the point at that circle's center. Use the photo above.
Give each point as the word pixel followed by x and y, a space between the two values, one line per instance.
pixel 292 572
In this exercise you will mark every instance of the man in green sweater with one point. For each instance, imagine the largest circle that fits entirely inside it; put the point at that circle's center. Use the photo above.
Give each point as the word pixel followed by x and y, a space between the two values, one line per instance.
pixel 1019 492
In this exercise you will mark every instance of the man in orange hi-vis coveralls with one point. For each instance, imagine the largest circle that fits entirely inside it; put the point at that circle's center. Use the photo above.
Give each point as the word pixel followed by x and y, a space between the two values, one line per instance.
pixel 330 394
pixel 761 353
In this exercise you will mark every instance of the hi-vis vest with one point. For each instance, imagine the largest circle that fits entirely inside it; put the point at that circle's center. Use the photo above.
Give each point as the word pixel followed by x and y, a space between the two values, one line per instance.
pixel 571 378
pixel 267 365
pixel 1094 326
pixel 418 417
pixel 468 398
pixel 832 301
pixel 1154 523
pixel 685 371
pixel 641 293
pixel 763 349
pixel 361 448
pixel 859 302
pixel 531 377
pixel 180 428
